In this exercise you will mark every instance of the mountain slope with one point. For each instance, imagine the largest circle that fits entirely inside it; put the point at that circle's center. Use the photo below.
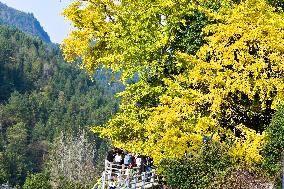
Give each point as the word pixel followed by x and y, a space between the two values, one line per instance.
pixel 25 22
pixel 42 96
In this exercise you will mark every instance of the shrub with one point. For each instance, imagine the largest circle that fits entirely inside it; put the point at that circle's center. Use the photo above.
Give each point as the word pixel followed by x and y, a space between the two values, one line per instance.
pixel 199 171
pixel 274 147
pixel 37 181
pixel 67 184
pixel 243 177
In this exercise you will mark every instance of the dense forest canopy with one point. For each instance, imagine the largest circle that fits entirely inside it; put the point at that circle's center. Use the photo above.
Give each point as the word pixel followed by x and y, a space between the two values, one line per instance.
pixel 42 98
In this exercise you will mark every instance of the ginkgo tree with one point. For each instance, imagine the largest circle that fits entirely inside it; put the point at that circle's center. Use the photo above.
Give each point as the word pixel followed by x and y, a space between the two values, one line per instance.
pixel 206 69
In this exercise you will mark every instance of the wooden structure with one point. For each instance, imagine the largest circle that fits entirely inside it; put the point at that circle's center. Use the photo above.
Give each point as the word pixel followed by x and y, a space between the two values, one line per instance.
pixel 123 178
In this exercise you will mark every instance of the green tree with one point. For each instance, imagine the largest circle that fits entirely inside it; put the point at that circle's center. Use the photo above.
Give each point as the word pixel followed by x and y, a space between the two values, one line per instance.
pixel 37 181
pixel 17 153
pixel 4 169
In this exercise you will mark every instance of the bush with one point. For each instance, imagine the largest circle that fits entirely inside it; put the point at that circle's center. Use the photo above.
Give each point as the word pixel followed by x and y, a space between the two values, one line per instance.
pixel 243 177
pixel 199 171
pixel 274 147
pixel 67 184
pixel 37 181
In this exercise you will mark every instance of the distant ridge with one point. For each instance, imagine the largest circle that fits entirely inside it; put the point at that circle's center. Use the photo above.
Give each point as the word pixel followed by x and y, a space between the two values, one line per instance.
pixel 25 22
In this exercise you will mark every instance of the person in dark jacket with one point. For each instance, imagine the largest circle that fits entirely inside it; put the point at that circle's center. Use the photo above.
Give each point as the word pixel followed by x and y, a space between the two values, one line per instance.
pixel 143 163
pixel 110 155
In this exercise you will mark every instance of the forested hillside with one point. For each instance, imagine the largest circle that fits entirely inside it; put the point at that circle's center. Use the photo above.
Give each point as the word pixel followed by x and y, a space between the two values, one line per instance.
pixel 43 101
pixel 24 21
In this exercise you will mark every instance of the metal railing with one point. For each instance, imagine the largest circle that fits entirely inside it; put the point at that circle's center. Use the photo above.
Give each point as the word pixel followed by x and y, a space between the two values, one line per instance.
pixel 124 178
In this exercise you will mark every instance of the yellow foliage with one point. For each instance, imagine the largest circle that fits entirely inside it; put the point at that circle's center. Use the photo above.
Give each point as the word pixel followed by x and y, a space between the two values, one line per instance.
pixel 246 149
pixel 234 78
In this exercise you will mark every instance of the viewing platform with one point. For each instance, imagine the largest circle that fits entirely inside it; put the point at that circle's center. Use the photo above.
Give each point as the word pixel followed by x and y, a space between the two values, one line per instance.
pixel 116 176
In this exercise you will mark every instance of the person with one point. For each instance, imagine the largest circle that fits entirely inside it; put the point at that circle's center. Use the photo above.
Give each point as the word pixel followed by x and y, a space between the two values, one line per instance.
pixel 110 155
pixel 127 159
pixel 143 163
pixel 132 160
pixel 122 159
pixel 111 184
pixel 118 159
pixel 128 171
pixel 149 164
pixel 128 174
pixel 139 163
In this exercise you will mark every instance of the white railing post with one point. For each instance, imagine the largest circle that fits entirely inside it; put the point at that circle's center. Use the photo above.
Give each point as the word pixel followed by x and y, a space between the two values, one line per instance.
pixel 108 177
pixel 119 179
pixel 106 162
pixel 106 165
pixel 121 167
pixel 135 181
pixel 127 182
pixel 103 180
pixel 152 180
pixel 143 180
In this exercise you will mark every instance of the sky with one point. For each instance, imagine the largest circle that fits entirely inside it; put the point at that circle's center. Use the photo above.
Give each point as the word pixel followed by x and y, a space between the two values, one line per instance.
pixel 48 14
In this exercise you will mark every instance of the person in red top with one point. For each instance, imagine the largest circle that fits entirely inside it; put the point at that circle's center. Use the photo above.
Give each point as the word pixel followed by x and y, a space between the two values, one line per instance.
pixel 133 162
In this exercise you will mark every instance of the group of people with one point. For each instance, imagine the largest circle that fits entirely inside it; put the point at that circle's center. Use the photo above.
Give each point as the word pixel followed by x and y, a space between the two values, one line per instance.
pixel 133 164
pixel 130 160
